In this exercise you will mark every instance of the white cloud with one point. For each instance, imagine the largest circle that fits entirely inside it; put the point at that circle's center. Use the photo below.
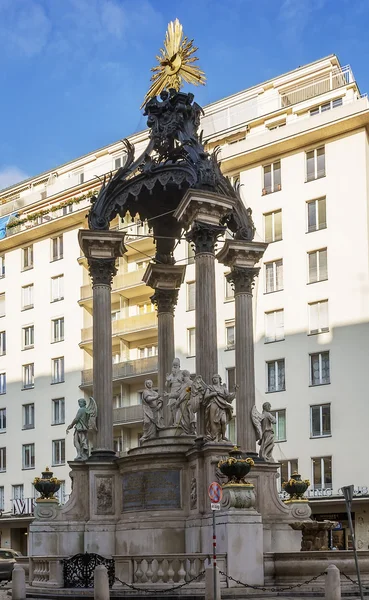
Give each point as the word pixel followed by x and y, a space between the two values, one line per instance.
pixel 296 15
pixel 10 175
pixel 24 27
pixel 113 18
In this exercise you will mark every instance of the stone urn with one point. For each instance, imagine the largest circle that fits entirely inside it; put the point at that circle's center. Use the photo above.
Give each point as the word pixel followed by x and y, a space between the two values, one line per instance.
pixel 237 492
pixel 47 486
pixel 296 488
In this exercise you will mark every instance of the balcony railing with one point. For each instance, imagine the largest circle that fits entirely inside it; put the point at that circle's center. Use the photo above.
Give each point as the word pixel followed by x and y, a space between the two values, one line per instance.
pixel 128 414
pixel 127 325
pixel 319 85
pixel 122 280
pixel 123 370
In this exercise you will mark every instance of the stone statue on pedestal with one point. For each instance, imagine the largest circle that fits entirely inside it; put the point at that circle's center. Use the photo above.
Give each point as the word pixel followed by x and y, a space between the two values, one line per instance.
pixel 83 423
pixel 263 424
pixel 218 409
pixel 152 412
pixel 174 382
pixel 184 416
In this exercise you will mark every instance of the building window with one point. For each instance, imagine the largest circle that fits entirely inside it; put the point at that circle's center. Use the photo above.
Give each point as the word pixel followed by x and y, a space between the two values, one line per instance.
pixel 58 452
pixel 230 335
pixel 191 341
pixel 2 343
pixel 27 258
pixel 28 336
pixel 60 494
pixel 191 295
pixel 2 460
pixel 272 178
pixel 147 351
pixel 273 226
pixel 276 375
pixel 28 416
pixel 28 456
pixel 2 499
pixel 2 266
pixel 57 288
pixel 58 329
pixel 288 467
pixel 57 375
pixel 2 419
pixel 57 248
pixel 231 378
pixel 273 276
pixel 316 214
pixel 58 411
pixel 2 304
pixel 28 376
pixel 274 326
pixel 321 472
pixel 229 290
pixel 18 492
pixel 320 420
pixel 280 425
pixel 2 383
pixel 319 368
pixel 190 254
pixel 318 267
pixel 318 317
pixel 315 164
pixel 27 296
pixel 326 106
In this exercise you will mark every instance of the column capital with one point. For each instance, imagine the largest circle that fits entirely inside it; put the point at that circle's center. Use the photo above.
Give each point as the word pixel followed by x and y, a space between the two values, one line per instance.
pixel 165 300
pixel 102 248
pixel 243 279
pixel 168 277
pixel 204 236
pixel 102 270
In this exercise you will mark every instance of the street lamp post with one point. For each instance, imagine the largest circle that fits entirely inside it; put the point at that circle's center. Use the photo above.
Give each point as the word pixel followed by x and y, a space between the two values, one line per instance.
pixel 348 493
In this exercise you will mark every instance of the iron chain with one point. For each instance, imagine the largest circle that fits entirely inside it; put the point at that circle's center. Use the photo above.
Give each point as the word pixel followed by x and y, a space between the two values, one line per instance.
pixel 272 589
pixel 353 581
pixel 175 587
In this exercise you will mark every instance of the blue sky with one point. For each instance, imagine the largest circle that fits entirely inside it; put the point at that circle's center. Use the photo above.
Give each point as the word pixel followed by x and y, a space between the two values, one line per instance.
pixel 73 73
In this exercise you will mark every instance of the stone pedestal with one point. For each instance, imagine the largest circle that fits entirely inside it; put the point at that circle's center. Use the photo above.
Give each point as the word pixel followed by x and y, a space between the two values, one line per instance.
pixel 242 256
pixel 102 249
pixel 166 281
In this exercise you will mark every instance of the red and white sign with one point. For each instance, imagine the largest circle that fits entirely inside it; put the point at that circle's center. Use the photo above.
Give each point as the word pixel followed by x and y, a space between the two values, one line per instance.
pixel 215 492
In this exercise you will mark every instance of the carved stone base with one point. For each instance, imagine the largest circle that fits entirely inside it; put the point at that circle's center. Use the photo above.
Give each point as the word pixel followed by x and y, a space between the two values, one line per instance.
pixel 238 496
pixel 300 509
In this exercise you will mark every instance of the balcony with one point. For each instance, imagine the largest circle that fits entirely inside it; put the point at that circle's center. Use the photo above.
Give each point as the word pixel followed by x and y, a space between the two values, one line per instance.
pixel 319 85
pixel 129 329
pixel 128 414
pixel 129 369
pixel 131 282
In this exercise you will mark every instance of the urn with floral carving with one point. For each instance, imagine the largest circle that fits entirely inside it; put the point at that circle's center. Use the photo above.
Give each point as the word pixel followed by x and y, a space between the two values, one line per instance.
pixel 296 487
pixel 47 486
pixel 235 467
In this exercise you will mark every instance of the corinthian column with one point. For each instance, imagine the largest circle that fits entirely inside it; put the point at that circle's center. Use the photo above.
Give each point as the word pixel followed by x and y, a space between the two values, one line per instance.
pixel 102 250
pixel 242 257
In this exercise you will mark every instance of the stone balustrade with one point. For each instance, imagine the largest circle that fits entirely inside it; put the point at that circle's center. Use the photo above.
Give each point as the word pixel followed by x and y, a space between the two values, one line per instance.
pixel 46 571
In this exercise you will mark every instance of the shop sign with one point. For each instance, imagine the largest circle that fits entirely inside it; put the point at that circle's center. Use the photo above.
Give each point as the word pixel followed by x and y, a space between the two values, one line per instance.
pixel 328 492
pixel 23 506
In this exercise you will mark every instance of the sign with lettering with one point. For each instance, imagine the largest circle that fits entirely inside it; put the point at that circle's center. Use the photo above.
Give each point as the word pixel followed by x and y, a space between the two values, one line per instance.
pixel 328 492
pixel 23 506
pixel 152 490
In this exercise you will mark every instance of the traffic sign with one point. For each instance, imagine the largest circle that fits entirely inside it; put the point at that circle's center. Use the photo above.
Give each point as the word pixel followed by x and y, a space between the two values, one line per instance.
pixel 215 492
pixel 215 506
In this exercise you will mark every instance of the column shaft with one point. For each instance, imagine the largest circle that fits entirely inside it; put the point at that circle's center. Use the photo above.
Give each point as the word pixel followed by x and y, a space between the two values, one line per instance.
pixel 166 355
pixel 206 317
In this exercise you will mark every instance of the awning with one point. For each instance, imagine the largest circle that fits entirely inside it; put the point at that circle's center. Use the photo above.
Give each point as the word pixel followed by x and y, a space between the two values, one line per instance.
pixel 3 223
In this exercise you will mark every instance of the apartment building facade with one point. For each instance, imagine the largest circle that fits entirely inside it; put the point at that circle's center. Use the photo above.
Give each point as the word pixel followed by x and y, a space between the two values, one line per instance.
pixel 298 147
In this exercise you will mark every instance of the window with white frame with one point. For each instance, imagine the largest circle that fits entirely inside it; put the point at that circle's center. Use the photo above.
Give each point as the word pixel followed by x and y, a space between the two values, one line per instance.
pixel 146 351
pixel 274 326
pixel 28 456
pixel 190 254
pixel 80 176
pixel 2 498
pixel 119 161
pixel 316 214
pixel 320 420
pixel 315 164
pixel 60 494
pixel 276 375
pixel 191 295
pixel 2 343
pixel 326 106
pixel 57 248
pixel 27 258
pixel 279 426
pixel 276 125
pixel 319 368
pixel 318 265
pixel 28 336
pixel 191 341
pixel 230 335
pixel 273 226
pixel 18 492
pixel 321 468
pixel 58 452
pixel 2 266
pixel 27 296
pixel 318 317
pixel 2 304
pixel 229 290
pixel 28 416
pixel 288 468
pixel 2 419
pixel 28 376
pixel 2 383
pixel 2 460
pixel 58 411
pixel 145 307
pixel 57 288
pixel 57 370
pixel 272 178
pixel 273 276
pixel 57 329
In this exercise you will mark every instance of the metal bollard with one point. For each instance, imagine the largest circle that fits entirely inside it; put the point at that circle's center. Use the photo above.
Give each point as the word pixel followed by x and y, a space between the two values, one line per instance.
pixel 101 583
pixel 209 583
pixel 18 583
pixel 333 583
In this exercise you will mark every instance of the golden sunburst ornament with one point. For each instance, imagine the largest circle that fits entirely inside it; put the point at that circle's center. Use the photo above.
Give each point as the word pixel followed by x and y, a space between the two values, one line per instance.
pixel 175 63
